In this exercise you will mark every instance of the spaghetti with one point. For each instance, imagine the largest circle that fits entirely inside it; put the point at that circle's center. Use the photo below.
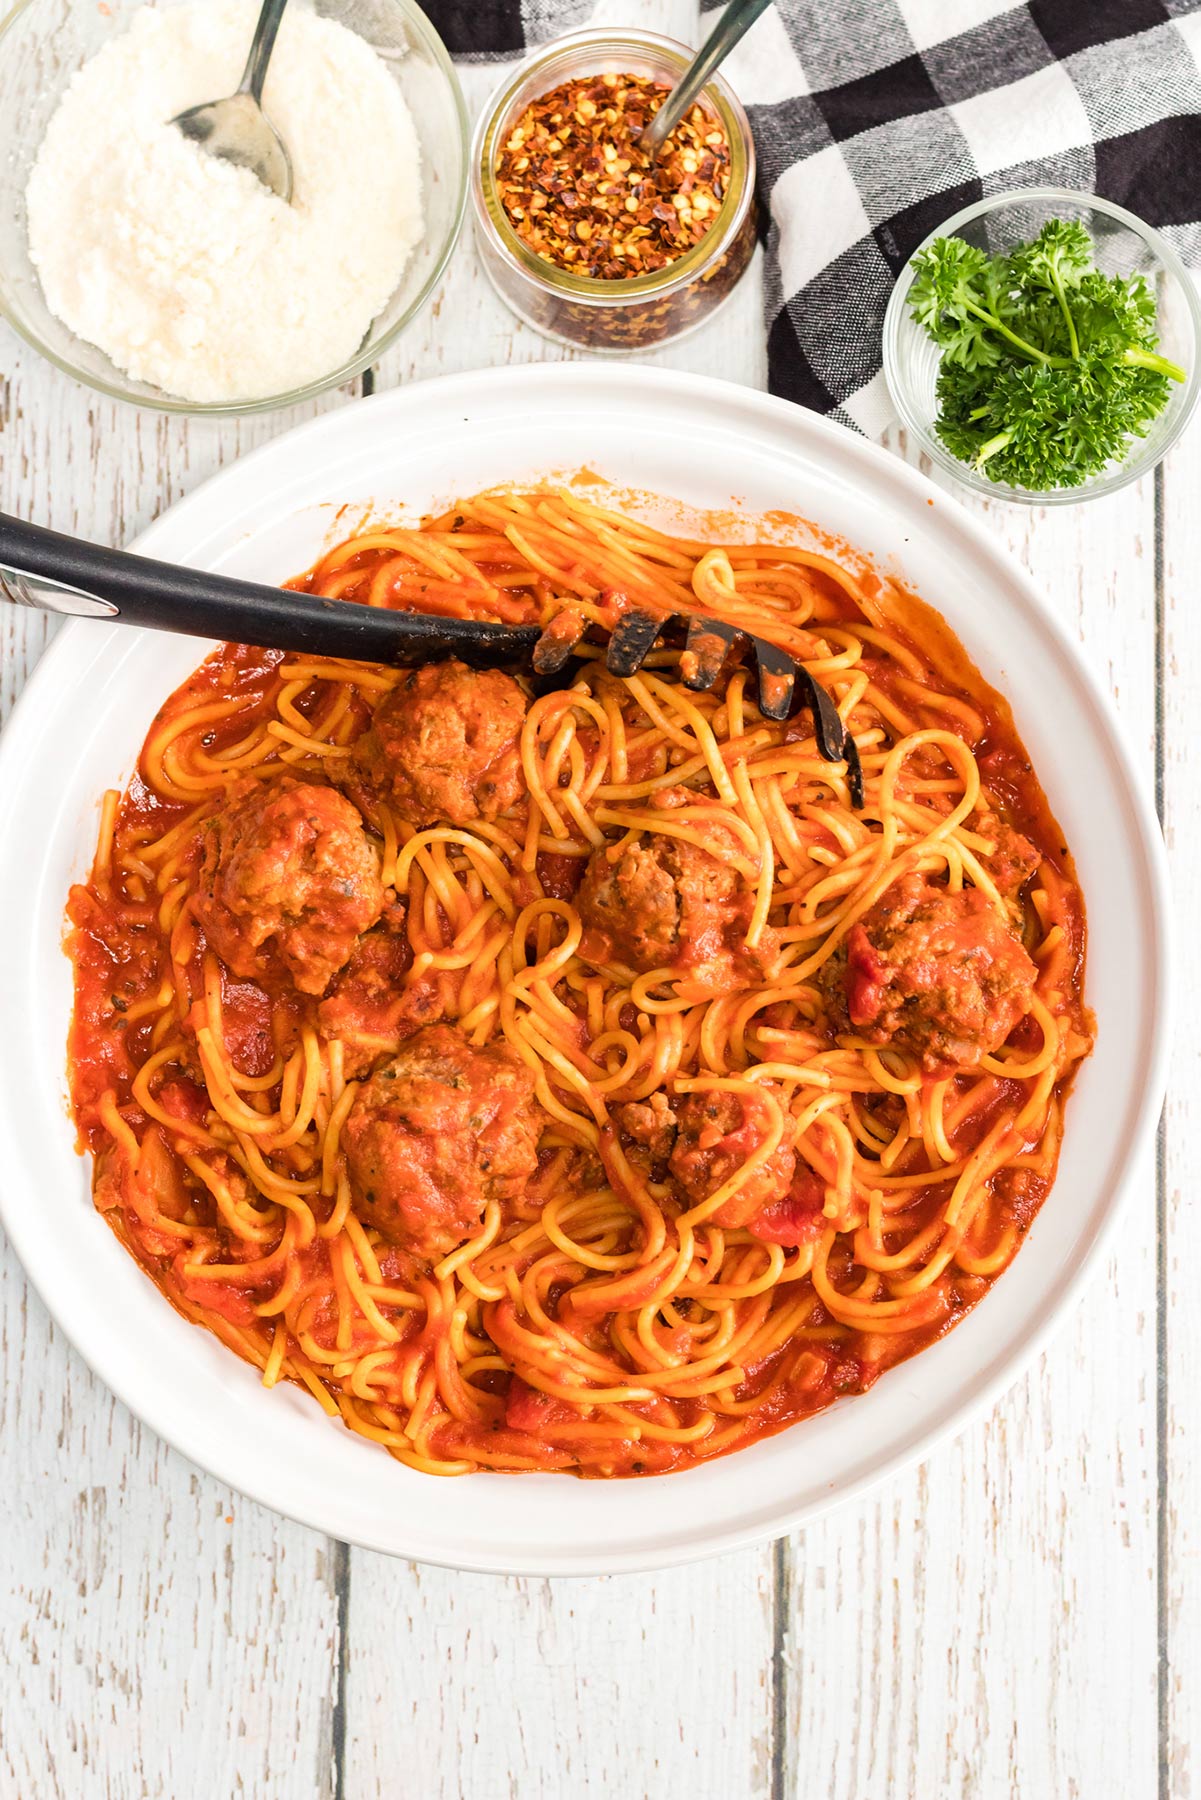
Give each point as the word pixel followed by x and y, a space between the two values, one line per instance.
pixel 578 1081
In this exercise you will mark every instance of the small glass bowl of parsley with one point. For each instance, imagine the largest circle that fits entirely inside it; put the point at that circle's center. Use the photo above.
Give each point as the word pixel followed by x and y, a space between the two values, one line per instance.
pixel 1043 346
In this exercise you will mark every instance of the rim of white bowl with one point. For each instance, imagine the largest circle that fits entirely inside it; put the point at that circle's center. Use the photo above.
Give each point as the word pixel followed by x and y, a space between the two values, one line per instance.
pixel 224 498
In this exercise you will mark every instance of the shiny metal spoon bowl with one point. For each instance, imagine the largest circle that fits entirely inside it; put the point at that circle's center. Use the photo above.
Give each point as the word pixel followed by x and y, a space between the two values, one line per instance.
pixel 237 129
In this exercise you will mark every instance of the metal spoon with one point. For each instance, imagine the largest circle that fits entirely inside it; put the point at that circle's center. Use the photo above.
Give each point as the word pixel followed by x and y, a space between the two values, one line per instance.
pixel 238 130
pixel 737 20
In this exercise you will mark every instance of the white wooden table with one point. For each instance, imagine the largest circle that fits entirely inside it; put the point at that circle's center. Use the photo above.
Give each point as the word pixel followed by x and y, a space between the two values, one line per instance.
pixel 1019 1618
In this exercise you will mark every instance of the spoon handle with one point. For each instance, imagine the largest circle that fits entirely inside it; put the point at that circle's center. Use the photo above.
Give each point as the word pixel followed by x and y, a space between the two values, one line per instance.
pixel 261 46
pixel 736 21
pixel 59 574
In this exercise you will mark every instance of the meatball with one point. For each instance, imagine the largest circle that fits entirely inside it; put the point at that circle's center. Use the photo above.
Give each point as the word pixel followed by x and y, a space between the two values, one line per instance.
pixel 649 1126
pixel 374 1004
pixel 289 879
pixel 717 1132
pixel 1011 858
pixel 435 1134
pixel 667 904
pixel 443 747
pixel 937 974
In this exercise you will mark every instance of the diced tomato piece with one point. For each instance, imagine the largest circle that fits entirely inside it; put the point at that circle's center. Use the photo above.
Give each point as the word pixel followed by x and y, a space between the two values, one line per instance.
pixel 796 1218
pixel 184 1100
pixel 866 975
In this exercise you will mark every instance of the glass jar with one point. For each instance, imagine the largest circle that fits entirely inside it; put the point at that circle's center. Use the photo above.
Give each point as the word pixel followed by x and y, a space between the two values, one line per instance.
pixel 620 316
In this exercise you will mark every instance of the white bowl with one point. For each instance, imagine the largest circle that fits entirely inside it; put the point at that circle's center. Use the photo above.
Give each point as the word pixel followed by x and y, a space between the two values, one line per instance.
pixel 79 726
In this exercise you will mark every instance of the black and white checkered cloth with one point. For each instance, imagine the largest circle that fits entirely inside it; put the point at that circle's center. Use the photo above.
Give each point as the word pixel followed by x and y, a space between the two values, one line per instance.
pixel 876 119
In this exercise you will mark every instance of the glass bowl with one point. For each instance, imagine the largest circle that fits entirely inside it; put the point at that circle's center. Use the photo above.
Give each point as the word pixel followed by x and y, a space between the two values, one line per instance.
pixel 612 317
pixel 44 42
pixel 1123 245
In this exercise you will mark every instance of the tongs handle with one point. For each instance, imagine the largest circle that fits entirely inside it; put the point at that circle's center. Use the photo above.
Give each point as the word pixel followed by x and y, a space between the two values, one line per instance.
pixel 56 573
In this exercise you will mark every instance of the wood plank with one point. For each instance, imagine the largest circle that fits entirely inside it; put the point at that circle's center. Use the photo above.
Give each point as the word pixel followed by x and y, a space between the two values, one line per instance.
pixel 630 1686
pixel 961 1633
pixel 523 1687
pixel 1180 1322
pixel 158 1634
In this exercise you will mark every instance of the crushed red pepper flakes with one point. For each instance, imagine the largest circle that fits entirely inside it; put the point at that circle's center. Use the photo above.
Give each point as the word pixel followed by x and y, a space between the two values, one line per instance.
pixel 579 191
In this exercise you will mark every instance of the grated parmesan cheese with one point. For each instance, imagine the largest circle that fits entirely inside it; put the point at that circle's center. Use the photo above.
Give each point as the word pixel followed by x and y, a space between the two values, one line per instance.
pixel 184 270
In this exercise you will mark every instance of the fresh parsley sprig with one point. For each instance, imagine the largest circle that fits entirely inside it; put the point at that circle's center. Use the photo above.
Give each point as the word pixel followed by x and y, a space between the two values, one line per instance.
pixel 1049 368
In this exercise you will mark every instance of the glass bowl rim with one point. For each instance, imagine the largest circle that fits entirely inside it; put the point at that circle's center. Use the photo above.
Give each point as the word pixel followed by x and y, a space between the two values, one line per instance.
pixel 587 290
pixel 1131 468
pixel 364 357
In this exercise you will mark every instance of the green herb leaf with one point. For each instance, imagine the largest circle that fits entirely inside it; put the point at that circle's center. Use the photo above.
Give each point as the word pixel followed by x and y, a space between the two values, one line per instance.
pixel 1059 257
pixel 1049 368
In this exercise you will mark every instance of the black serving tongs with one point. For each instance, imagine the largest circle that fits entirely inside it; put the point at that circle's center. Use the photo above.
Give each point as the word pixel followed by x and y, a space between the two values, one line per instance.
pixel 54 573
